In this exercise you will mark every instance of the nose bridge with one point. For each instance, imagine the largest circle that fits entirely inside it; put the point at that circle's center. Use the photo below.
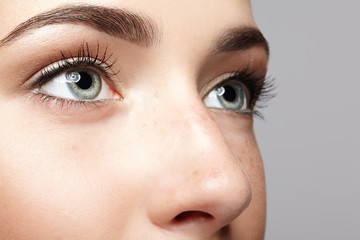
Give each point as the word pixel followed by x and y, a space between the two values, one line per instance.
pixel 190 127
pixel 199 181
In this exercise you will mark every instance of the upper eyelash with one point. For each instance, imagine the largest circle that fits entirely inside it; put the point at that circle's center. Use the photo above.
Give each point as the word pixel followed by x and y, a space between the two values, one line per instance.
pixel 84 58
pixel 260 87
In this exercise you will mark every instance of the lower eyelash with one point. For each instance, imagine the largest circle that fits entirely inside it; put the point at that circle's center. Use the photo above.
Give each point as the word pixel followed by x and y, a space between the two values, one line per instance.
pixel 64 103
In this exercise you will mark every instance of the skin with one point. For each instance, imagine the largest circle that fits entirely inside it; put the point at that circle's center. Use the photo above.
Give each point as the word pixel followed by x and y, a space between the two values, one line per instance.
pixel 158 164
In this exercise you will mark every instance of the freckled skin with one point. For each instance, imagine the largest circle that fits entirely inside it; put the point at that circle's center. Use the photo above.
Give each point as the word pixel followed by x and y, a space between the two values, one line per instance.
pixel 130 169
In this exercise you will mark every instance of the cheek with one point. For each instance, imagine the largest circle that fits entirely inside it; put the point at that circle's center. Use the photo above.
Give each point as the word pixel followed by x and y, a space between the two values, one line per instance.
pixel 44 194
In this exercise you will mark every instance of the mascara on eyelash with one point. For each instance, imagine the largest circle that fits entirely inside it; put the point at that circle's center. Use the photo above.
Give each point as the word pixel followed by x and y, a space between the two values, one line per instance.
pixel 100 61
pixel 260 87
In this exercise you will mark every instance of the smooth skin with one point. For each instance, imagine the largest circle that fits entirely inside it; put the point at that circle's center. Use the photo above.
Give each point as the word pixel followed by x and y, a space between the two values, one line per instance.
pixel 157 164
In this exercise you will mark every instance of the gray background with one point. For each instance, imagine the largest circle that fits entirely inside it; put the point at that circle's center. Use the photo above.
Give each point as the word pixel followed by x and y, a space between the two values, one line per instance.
pixel 310 136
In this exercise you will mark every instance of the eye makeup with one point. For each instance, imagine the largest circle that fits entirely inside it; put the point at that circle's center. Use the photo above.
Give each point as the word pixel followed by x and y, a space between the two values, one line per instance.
pixel 85 61
pixel 260 88
pixel 257 87
pixel 101 61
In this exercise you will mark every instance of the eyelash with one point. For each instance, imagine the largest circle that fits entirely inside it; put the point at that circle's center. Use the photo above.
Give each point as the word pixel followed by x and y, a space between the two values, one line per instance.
pixel 66 103
pixel 84 58
pixel 260 88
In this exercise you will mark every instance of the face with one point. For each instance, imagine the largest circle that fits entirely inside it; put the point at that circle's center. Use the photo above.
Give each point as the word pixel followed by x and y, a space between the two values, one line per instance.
pixel 130 120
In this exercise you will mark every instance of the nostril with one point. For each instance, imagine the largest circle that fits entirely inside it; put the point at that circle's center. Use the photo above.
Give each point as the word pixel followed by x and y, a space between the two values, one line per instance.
pixel 192 216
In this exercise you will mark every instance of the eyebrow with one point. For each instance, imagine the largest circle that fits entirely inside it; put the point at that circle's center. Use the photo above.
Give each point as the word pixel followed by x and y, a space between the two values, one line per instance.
pixel 129 26
pixel 114 22
pixel 241 39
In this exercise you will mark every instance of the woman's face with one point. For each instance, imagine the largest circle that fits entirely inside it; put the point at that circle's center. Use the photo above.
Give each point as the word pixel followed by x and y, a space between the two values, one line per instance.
pixel 130 120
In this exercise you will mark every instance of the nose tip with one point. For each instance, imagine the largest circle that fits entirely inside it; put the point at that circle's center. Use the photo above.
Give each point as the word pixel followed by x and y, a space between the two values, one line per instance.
pixel 215 200
pixel 201 204
pixel 197 185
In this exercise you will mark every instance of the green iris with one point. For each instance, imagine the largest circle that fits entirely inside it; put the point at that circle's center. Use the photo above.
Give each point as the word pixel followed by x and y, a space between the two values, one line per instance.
pixel 232 97
pixel 84 84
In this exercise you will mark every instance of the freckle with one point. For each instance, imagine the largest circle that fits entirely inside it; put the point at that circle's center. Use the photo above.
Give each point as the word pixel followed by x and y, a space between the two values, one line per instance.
pixel 74 148
pixel 196 172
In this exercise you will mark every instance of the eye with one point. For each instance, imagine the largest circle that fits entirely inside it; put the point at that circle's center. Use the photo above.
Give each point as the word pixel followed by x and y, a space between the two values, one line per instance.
pixel 230 95
pixel 82 84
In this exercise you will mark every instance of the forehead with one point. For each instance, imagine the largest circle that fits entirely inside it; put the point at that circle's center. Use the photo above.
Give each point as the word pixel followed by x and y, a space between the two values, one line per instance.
pixel 191 17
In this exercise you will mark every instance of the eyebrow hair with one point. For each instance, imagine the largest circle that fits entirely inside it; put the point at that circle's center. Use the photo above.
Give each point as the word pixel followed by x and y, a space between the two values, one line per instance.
pixel 114 22
pixel 129 26
pixel 241 39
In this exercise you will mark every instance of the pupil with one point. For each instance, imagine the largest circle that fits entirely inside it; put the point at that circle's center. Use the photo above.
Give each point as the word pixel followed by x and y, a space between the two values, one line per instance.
pixel 85 80
pixel 230 94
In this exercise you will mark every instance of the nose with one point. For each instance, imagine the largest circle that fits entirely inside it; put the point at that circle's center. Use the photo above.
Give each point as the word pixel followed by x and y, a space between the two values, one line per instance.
pixel 200 186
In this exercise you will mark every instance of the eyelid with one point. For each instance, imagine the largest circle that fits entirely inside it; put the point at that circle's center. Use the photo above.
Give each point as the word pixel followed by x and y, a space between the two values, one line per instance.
pixel 253 77
pixel 243 86
pixel 213 100
pixel 52 70
pixel 214 83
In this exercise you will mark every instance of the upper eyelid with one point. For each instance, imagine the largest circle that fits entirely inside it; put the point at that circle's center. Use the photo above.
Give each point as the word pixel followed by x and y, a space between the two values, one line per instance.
pixel 79 62
pixel 250 75
pixel 59 75
pixel 262 89
pixel 84 54
pixel 101 60
pixel 239 75
pixel 231 77
pixel 57 67
pixel 214 83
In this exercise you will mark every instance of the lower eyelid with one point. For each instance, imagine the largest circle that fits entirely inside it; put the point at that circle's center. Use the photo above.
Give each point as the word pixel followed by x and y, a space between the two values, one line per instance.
pixel 69 110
